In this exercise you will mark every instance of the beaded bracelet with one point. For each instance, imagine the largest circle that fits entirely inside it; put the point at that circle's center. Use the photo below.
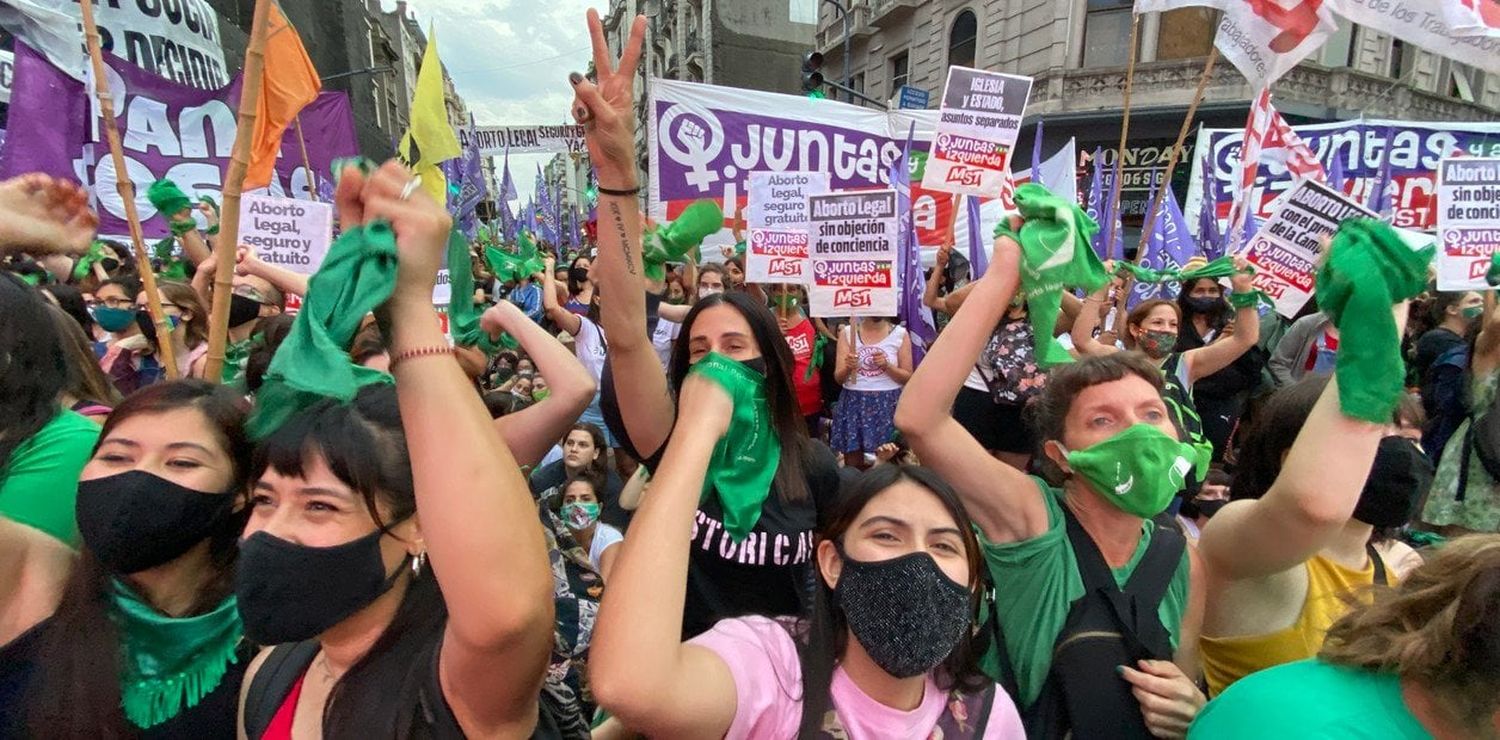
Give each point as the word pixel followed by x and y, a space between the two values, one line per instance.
pixel 403 356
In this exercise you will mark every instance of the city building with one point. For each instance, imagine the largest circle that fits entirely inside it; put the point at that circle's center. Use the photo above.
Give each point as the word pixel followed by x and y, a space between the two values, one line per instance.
pixel 1077 52
pixel 755 44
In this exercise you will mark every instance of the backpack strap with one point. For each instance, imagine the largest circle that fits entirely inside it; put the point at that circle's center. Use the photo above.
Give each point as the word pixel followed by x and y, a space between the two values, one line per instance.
pixel 273 681
pixel 1006 668
pixel 1148 583
pixel 1381 579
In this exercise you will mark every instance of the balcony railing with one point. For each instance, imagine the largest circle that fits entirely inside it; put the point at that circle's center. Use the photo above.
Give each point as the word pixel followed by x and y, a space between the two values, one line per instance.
pixel 885 13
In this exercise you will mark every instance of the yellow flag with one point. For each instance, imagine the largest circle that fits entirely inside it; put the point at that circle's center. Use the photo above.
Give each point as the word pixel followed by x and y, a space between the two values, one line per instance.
pixel 430 140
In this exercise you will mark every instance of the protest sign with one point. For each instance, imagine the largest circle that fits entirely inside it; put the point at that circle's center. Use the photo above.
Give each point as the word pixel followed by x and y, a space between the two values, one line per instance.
pixel 1360 146
pixel 178 40
pixel 777 217
pixel 976 131
pixel 7 74
pixel 497 140
pixel 853 245
pixel 167 131
pixel 1468 221
pixel 285 232
pixel 1285 251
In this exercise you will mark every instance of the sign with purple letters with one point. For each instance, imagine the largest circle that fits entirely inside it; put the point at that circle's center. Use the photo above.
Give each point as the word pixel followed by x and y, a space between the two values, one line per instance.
pixel 1468 216
pixel 168 130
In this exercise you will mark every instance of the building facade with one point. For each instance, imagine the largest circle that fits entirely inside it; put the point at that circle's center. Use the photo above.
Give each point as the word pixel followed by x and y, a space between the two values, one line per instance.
pixel 1077 52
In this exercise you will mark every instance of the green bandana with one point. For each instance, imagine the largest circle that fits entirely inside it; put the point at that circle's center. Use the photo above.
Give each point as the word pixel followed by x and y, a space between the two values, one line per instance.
pixel 525 262
pixel 1368 268
pixel 168 664
pixel 1220 268
pixel 740 248
pixel 1140 469
pixel 1055 254
pixel 236 354
pixel 172 267
pixel 85 264
pixel 312 363
pixel 820 347
pixel 168 199
pixel 1493 276
pixel 745 460
pixel 463 320
pixel 670 243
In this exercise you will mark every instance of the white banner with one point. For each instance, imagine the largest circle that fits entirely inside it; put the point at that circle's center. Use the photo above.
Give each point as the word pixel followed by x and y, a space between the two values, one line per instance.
pixel 1423 24
pixel 777 218
pixel 496 140
pixel 1468 196
pixel 291 234
pixel 976 132
pixel 178 40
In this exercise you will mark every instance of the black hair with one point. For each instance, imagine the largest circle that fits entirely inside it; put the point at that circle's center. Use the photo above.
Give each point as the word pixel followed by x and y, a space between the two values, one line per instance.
pixel 130 285
pixel 576 286
pixel 86 380
pixel 70 299
pixel 1272 433
pixel 364 446
pixel 1444 300
pixel 786 414
pixel 824 633
pixel 77 689
pixel 269 334
pixel 600 465
pixel 33 366
pixel 1222 314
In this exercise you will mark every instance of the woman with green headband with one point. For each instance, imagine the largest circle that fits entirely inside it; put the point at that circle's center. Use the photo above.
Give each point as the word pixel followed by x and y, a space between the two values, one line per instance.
pixel 147 640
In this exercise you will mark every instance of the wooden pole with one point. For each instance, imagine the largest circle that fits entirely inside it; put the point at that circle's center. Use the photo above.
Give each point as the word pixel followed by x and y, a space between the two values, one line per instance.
pixel 1187 124
pixel 126 189
pixel 312 177
pixel 1114 188
pixel 234 180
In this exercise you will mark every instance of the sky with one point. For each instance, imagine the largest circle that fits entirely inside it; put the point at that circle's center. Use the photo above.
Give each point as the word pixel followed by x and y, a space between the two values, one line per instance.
pixel 510 61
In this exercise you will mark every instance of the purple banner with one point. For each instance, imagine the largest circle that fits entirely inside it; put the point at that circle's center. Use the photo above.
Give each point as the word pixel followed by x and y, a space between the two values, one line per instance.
pixel 167 130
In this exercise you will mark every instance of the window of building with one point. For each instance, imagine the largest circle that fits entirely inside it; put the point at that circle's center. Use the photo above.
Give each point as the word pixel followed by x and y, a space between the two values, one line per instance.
pixel 1403 58
pixel 1186 33
pixel 857 83
pixel 962 41
pixel 1106 33
pixel 900 71
pixel 1463 80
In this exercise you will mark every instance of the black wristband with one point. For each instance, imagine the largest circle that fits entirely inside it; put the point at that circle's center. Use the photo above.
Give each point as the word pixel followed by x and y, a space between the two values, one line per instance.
pixel 620 193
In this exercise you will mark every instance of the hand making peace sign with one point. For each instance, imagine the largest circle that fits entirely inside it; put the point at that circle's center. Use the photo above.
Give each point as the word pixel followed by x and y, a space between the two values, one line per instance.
pixel 607 108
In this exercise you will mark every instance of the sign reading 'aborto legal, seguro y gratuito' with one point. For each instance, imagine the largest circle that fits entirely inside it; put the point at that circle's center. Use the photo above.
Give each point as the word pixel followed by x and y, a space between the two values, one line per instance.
pixel 289 233
pixel 976 132
pixel 777 217
pixel 853 246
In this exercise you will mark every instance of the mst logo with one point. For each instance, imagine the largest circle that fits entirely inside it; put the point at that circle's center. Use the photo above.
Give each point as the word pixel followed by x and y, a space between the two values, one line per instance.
pixel 784 267
pixel 853 298
pixel 968 177
pixel 1479 269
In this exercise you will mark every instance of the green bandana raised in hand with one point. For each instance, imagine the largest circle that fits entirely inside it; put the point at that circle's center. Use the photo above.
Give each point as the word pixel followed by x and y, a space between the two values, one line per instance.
pixel 744 462
pixel 172 267
pixel 1055 254
pixel 312 363
pixel 463 320
pixel 1368 268
pixel 168 198
pixel 526 261
pixel 167 664
pixel 85 264
pixel 671 242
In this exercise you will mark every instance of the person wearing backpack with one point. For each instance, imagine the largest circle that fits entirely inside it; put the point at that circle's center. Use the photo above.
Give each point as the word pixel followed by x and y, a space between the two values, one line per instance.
pixel 1097 608
pixel 1465 497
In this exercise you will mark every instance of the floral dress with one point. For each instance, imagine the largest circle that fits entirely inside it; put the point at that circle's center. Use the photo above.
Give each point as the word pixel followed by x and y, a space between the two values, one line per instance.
pixel 1480 508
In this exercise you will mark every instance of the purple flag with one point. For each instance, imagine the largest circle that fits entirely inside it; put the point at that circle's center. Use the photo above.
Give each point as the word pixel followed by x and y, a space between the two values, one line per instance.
pixel 911 313
pixel 507 185
pixel 1380 195
pixel 168 130
pixel 1036 156
pixel 1169 248
pixel 979 261
pixel 1208 222
pixel 1335 173
pixel 1102 211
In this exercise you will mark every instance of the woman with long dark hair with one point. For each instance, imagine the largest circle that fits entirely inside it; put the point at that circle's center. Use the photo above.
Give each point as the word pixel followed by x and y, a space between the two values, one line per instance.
pixel 580 286
pixel 89 391
pixel 726 577
pixel 1219 397
pixel 43 446
pixel 384 625
pixel 189 320
pixel 888 648
pixel 147 640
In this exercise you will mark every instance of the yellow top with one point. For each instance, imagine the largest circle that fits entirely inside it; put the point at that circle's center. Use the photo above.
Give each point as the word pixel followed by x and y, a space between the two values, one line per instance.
pixel 1329 588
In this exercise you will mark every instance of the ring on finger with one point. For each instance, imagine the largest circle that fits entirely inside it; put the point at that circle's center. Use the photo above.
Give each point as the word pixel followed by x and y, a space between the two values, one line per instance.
pixel 411 187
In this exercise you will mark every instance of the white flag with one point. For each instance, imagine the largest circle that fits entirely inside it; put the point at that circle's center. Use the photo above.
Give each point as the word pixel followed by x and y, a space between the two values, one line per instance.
pixel 1263 38
pixel 181 44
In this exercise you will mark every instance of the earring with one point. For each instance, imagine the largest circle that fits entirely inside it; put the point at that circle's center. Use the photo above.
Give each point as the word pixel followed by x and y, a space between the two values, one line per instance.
pixel 417 561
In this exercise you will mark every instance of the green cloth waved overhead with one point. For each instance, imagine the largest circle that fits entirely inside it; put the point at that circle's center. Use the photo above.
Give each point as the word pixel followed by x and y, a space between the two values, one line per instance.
pixel 1367 269
pixel 670 243
pixel 313 363
pixel 745 460
pixel 1220 268
pixel 168 198
pixel 1493 276
pixel 172 267
pixel 1055 254
pixel 85 264
pixel 463 320
pixel 525 262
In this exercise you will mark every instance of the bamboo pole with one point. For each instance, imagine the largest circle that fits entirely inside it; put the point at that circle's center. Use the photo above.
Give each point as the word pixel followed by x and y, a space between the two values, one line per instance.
pixel 126 189
pixel 1114 188
pixel 234 180
pixel 312 177
pixel 1172 158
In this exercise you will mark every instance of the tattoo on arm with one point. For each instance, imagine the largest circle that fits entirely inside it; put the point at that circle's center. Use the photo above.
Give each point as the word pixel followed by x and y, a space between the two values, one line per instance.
pixel 619 224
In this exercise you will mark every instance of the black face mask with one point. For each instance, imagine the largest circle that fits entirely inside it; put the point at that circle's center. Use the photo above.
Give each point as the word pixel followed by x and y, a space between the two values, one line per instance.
pixel 1193 508
pixel 290 593
pixel 1204 304
pixel 242 310
pixel 136 520
pixel 1399 478
pixel 578 274
pixel 758 364
pixel 905 612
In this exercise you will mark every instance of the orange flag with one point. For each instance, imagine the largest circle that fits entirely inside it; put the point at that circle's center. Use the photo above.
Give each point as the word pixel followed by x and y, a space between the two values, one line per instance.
pixel 288 83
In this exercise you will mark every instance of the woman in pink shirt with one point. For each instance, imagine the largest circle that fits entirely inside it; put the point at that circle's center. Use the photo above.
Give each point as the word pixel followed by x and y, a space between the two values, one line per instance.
pixel 887 651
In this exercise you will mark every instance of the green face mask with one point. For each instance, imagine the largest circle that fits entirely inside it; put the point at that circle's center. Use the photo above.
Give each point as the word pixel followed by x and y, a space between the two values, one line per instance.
pixel 1138 470
pixel 541 395
pixel 1472 312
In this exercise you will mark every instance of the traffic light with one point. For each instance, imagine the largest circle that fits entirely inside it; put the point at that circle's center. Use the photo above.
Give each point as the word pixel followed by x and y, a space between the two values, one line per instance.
pixel 812 74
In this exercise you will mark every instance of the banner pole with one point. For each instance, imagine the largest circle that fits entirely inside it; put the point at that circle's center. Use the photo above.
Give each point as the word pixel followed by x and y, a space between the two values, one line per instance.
pixel 312 177
pixel 1114 188
pixel 234 180
pixel 1149 226
pixel 126 188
